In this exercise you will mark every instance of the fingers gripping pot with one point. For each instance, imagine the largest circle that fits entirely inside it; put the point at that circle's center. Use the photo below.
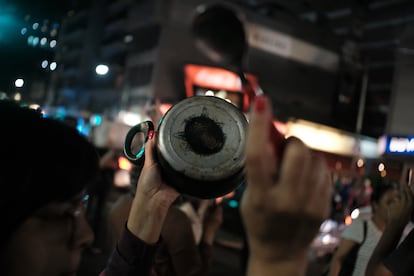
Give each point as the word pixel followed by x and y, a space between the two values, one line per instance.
pixel 199 145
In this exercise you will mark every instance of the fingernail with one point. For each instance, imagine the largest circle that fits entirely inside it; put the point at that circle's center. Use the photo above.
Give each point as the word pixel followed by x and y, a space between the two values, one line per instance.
pixel 259 103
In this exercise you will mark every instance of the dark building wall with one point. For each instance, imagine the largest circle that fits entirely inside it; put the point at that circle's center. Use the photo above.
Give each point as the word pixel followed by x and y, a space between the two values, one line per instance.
pixel 297 90
pixel 401 113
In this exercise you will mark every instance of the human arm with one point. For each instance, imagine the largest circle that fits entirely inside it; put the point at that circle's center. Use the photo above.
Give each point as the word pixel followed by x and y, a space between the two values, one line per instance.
pixel 345 246
pixel 146 218
pixel 398 217
pixel 285 200
pixel 152 200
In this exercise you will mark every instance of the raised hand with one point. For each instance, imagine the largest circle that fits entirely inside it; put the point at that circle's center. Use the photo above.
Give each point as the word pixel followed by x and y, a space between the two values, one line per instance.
pixel 286 199
pixel 400 210
pixel 152 200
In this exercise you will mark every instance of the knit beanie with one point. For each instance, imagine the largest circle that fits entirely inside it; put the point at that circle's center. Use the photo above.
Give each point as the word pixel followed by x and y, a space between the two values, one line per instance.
pixel 41 161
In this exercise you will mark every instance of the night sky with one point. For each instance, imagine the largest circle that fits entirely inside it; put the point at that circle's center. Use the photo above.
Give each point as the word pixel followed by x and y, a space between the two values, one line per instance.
pixel 17 58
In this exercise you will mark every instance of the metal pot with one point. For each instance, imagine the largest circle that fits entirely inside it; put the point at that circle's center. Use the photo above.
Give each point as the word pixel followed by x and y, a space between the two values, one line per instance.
pixel 200 146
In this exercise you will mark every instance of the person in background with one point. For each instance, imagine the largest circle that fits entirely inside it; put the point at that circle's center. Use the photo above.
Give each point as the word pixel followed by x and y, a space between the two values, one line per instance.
pixel 383 196
pixel 99 196
pixel 187 238
pixel 389 257
pixel 118 213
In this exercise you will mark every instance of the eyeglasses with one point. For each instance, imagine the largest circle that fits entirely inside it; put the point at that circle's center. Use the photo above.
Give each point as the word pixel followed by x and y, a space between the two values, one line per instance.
pixel 62 212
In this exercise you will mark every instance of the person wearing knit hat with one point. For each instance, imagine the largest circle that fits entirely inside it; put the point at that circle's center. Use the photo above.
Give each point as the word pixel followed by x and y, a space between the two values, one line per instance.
pixel 46 168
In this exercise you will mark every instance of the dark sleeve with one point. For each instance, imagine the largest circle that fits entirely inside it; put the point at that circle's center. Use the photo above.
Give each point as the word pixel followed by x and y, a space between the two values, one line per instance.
pixel 131 256
pixel 401 261
pixel 187 257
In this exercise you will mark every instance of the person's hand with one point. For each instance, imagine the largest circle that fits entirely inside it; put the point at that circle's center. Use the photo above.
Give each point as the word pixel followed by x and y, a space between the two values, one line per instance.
pixel 286 199
pixel 152 200
pixel 399 211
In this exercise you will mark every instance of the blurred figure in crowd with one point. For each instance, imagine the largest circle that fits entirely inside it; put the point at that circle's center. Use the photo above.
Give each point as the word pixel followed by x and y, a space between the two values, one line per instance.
pixel 99 194
pixel 188 235
pixel 389 257
pixel 118 213
pixel 365 233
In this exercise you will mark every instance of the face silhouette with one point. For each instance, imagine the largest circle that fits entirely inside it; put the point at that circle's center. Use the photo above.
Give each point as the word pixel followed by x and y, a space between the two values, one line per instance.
pixel 50 242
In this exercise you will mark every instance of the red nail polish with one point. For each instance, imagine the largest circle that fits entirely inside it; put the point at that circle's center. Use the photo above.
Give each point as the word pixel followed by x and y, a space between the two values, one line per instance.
pixel 151 134
pixel 260 103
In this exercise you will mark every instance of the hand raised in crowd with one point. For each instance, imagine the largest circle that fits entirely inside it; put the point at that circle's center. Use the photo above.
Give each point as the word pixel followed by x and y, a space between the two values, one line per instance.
pixel 152 200
pixel 285 201
pixel 399 211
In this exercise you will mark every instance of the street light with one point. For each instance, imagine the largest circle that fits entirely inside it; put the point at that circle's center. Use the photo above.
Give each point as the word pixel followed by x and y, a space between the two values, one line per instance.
pixel 102 69
pixel 19 83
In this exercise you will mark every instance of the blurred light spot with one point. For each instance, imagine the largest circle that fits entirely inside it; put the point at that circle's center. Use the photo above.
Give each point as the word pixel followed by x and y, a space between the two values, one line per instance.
pixel 360 163
pixel 124 163
pixel 326 239
pixel 23 31
pixel 328 226
pixel 384 173
pixel 35 41
pixel 233 204
pixel 102 69
pixel 52 44
pixel 17 97
pixel 19 83
pixel 53 65
pixel 53 32
pixel 355 213
pixel 45 63
pixel 348 220
pixel 30 40
pixel 43 41
pixel 96 120
pixel 35 26
pixel 128 38
pixel 381 167
pixel 209 93
pixel 34 106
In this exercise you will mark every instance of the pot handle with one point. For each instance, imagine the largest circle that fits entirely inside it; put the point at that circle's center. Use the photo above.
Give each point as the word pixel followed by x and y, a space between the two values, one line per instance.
pixel 147 128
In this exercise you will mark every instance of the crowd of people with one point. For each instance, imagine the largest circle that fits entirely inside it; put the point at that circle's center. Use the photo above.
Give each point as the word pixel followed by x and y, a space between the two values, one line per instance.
pixel 47 168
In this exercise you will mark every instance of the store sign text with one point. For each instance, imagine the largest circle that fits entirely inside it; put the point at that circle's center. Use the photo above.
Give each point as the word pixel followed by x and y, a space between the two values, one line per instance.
pixel 401 145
